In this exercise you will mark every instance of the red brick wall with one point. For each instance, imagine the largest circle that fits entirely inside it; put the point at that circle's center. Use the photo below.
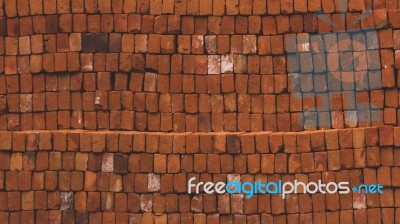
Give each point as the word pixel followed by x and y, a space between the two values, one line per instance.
pixel 108 107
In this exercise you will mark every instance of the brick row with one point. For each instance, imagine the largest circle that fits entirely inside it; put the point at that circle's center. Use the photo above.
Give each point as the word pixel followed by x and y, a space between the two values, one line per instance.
pixel 167 203
pixel 147 103
pixel 199 44
pixel 191 103
pixel 149 82
pixel 76 181
pixel 15 8
pixel 61 164
pixel 201 64
pixel 191 143
pixel 175 24
pixel 135 193
pixel 256 103
pixel 202 122
pixel 141 63
pixel 267 82
pixel 141 193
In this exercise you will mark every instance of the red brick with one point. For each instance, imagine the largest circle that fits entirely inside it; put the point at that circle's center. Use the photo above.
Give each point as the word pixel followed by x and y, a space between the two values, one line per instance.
pixel 371 136
pixel 334 160
pixel 380 18
pixel 386 136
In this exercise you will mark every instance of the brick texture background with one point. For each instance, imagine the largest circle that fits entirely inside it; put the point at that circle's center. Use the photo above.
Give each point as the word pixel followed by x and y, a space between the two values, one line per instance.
pixel 141 177
pixel 108 107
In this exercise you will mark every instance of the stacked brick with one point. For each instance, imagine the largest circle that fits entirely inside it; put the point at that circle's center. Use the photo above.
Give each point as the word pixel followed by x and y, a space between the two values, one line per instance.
pixel 141 177
pixel 176 66
pixel 109 107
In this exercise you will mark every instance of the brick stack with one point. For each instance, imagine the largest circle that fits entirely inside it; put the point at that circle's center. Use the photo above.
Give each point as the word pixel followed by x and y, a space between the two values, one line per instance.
pixel 108 107
pixel 138 177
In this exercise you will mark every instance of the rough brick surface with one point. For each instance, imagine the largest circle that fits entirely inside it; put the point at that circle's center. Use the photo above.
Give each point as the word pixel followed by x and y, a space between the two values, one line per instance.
pixel 147 183
pixel 108 107
pixel 171 56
